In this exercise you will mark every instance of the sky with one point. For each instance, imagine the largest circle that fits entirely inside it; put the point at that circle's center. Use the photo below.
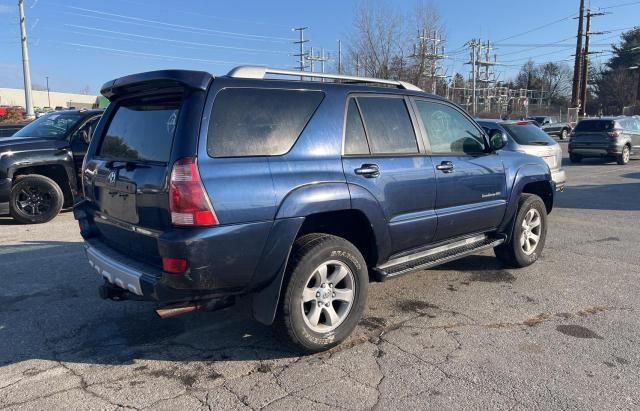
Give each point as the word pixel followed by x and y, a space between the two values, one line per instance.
pixel 81 44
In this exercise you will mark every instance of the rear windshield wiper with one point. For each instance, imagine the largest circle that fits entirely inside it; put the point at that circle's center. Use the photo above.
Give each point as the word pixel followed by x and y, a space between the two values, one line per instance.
pixel 128 165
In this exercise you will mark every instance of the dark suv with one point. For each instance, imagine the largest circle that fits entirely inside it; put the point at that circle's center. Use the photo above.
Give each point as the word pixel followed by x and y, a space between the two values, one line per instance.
pixel 40 165
pixel 288 196
pixel 616 138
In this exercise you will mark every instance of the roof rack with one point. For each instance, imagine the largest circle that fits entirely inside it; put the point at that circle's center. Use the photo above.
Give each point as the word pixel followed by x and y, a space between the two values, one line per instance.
pixel 259 72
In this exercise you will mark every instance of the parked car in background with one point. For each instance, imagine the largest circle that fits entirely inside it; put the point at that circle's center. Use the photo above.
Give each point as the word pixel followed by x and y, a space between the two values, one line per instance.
pixel 551 125
pixel 615 138
pixel 40 165
pixel 287 196
pixel 525 137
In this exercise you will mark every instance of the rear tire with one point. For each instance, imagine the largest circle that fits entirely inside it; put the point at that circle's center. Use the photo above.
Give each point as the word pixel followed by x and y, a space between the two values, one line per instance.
pixel 324 294
pixel 624 157
pixel 529 233
pixel 575 158
pixel 35 199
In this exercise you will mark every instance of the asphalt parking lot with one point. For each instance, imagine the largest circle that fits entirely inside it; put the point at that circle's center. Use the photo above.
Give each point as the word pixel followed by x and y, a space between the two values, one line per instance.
pixel 563 333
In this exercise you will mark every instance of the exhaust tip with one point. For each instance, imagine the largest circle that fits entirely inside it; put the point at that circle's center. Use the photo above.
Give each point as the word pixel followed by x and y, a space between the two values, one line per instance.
pixel 176 310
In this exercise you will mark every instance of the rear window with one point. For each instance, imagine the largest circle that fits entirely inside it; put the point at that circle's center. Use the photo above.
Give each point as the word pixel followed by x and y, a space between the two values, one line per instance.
pixel 528 134
pixel 259 122
pixel 595 125
pixel 388 125
pixel 141 131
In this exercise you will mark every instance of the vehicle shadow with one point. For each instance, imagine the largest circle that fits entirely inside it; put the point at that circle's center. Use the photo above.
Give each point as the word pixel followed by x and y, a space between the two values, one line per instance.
pixel 50 309
pixel 617 197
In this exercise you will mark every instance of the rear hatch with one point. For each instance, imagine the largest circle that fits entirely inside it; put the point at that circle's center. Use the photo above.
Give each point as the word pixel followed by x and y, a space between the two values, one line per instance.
pixel 593 133
pixel 149 124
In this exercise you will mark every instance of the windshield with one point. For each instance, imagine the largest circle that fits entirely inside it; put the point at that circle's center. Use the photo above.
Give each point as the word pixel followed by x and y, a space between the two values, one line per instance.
pixel 529 135
pixel 538 119
pixel 54 126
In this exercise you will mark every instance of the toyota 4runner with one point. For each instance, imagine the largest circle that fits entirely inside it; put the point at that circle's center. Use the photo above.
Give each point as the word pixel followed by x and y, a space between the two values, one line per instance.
pixel 291 195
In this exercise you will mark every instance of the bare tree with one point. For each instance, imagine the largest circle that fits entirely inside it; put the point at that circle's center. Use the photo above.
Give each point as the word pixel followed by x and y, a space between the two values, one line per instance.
pixel 383 39
pixel 376 39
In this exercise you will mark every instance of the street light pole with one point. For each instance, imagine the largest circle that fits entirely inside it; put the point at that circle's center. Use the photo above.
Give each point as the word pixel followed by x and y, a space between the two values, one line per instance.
pixel 25 63
pixel 48 95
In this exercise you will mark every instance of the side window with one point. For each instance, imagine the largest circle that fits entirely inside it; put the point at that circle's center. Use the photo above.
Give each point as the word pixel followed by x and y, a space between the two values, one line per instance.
pixel 355 139
pixel 388 124
pixel 85 133
pixel 259 122
pixel 448 130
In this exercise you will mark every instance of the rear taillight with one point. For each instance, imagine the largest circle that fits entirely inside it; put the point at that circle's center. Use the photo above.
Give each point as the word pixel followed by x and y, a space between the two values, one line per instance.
pixel 188 201
pixel 615 133
pixel 174 265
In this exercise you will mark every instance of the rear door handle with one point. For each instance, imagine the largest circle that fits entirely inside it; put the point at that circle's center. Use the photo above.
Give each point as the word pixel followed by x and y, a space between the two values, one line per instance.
pixel 445 167
pixel 368 170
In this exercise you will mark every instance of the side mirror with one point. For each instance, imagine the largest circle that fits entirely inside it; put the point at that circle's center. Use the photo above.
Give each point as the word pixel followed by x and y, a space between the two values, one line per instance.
pixel 498 140
pixel 84 136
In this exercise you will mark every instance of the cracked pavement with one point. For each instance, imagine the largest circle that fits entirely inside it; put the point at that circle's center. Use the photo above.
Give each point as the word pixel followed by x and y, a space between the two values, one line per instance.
pixel 563 333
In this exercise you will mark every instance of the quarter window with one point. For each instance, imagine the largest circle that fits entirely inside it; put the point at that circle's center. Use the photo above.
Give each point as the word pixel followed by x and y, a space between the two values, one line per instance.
pixel 448 130
pixel 388 125
pixel 354 134
pixel 259 122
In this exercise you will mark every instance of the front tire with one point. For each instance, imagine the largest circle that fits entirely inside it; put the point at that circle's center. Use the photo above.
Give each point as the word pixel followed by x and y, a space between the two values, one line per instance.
pixel 529 234
pixel 35 199
pixel 624 157
pixel 563 134
pixel 325 293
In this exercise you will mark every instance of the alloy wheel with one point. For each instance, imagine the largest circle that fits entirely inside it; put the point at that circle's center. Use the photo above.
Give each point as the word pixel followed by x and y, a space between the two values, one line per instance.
pixel 530 232
pixel 328 296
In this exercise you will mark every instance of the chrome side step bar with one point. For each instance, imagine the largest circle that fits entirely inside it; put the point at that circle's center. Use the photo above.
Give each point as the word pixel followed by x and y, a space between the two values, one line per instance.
pixel 436 256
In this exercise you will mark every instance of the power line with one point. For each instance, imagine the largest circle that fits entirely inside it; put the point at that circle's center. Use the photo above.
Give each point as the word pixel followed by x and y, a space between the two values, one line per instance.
pixel 162 23
pixel 193 43
pixel 537 28
pixel 139 53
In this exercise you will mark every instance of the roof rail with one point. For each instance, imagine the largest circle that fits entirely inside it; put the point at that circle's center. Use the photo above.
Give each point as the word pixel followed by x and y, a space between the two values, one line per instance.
pixel 259 72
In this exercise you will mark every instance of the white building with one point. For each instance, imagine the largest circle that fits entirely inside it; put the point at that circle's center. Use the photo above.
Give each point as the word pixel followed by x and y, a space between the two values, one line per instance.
pixel 15 97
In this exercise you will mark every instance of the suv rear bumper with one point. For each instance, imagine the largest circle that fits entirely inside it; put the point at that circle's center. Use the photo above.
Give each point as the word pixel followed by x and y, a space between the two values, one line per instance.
pixel 144 281
pixel 595 149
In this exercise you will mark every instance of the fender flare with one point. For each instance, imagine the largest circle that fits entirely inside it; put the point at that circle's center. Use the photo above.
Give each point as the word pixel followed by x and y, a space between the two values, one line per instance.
pixel 266 287
pixel 528 173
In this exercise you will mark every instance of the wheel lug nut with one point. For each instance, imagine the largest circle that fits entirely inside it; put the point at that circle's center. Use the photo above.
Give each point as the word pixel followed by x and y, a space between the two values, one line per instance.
pixel 318 294
pixel 333 295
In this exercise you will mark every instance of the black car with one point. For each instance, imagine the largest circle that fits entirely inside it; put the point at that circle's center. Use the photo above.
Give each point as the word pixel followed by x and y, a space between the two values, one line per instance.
pixel 616 138
pixel 40 165
pixel 552 126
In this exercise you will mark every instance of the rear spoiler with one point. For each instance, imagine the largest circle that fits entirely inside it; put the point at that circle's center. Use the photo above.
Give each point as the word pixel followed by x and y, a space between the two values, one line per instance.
pixel 155 80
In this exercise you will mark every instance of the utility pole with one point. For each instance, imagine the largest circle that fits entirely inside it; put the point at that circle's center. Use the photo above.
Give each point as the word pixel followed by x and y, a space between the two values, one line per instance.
pixel 474 45
pixel 339 57
pixel 428 52
pixel 585 62
pixel 577 69
pixel 25 62
pixel 48 95
pixel 301 55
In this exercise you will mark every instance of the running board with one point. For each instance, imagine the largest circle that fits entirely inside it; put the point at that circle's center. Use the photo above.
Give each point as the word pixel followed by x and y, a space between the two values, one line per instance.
pixel 435 256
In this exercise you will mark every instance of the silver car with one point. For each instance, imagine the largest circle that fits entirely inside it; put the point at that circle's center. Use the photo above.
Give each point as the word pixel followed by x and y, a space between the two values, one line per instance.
pixel 525 137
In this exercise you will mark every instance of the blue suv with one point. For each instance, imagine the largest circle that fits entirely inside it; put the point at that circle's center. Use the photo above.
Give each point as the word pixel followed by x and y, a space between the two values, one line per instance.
pixel 288 196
